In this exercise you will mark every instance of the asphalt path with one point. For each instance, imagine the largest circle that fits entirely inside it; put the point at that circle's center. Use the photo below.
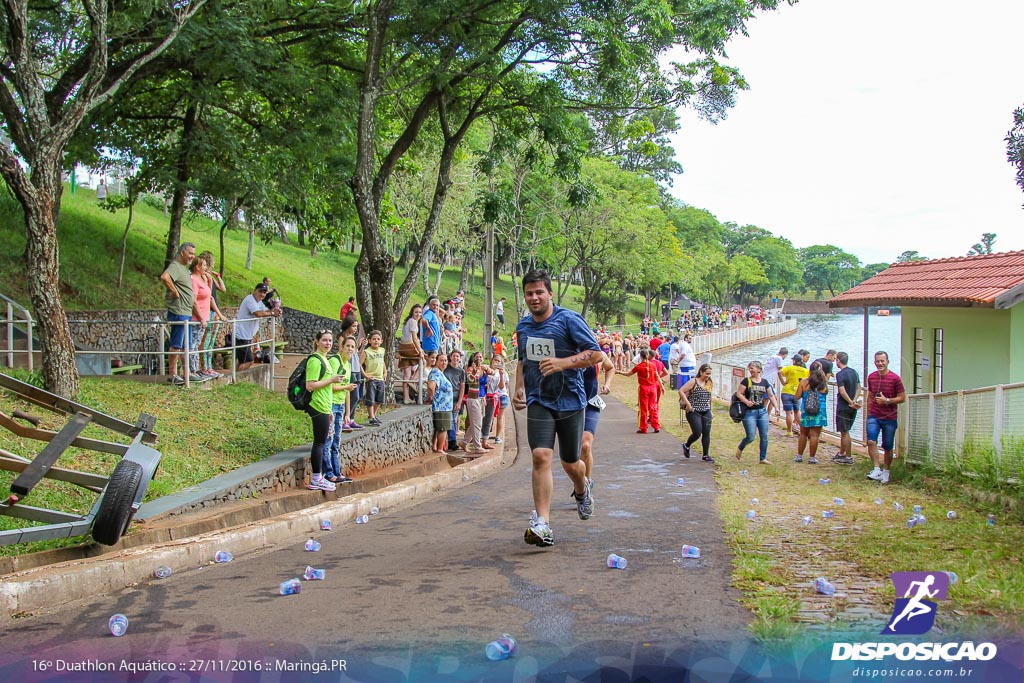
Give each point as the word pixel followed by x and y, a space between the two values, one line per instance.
pixel 416 593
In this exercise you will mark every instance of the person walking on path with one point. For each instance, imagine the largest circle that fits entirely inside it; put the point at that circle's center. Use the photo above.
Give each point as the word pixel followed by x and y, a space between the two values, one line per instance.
pixel 695 399
pixel 648 391
pixel 884 393
pixel 319 381
pixel 177 278
pixel 499 312
pixel 555 344
pixel 847 405
pixel 811 393
pixel 755 393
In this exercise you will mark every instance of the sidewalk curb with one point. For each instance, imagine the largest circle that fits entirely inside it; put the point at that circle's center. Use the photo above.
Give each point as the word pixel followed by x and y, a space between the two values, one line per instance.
pixel 45 587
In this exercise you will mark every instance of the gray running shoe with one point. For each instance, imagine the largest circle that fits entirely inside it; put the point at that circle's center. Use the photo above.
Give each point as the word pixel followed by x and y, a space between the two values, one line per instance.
pixel 584 503
pixel 539 533
pixel 842 460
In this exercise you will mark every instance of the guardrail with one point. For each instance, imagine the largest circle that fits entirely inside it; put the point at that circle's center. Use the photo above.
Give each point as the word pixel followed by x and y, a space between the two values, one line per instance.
pixel 713 341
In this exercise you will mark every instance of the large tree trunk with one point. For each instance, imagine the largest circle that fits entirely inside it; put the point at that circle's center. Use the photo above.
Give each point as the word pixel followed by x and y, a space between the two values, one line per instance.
pixel 181 177
pixel 41 203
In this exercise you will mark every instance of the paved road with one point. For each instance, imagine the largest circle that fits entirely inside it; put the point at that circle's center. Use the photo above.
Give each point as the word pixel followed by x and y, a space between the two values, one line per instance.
pixel 416 593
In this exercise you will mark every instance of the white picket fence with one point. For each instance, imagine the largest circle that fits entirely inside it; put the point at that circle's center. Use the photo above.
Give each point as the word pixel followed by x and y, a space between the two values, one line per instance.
pixel 722 339
pixel 979 432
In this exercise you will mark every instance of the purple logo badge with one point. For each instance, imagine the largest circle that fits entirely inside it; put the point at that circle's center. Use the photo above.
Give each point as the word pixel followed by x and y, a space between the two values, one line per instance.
pixel 914 612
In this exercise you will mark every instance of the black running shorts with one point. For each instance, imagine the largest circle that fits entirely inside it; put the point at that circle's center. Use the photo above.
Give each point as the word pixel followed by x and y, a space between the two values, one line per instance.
pixel 543 425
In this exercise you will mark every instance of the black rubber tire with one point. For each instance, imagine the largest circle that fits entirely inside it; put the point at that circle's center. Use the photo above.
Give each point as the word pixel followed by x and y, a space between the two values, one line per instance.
pixel 115 513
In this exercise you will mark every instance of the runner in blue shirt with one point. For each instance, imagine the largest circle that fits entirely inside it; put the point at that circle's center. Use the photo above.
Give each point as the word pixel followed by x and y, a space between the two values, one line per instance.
pixel 555 344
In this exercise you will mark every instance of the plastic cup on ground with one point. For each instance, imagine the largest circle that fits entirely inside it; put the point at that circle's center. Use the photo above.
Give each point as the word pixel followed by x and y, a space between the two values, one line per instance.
pixel 118 625
pixel 616 561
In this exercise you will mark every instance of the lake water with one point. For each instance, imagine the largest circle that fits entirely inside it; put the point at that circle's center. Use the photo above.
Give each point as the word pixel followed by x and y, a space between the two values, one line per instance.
pixel 819 333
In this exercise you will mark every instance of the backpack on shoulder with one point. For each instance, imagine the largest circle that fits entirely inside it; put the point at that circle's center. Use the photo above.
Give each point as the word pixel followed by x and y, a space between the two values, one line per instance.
pixel 298 395
pixel 812 403
pixel 737 409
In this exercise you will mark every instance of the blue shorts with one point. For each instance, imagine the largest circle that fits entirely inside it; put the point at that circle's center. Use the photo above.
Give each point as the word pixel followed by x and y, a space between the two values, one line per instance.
pixel 790 403
pixel 886 427
pixel 590 419
pixel 177 331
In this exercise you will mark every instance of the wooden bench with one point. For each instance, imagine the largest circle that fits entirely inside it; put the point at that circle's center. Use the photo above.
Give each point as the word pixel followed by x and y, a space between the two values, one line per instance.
pixel 125 369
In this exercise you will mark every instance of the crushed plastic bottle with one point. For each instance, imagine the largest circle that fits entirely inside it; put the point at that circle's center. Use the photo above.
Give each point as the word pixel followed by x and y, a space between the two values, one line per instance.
pixel 465 476
pixel 362 519
pixel 921 519
pixel 824 480
pixel 822 585
pixel 691 551
pixel 617 561
pixel 325 525
pixel 897 507
pixel 917 509
pixel 743 473
pixel 680 481
pixel 313 574
pixel 878 501
pixel 912 522
pixel 827 514
pixel 290 587
pixel 118 625
pixel 751 514
pixel 951 514
pixel 754 502
pixel 502 648
pixel 374 510
pixel 839 501
pixel 162 572
pixel 953 578
pixel 806 520
pixel 223 556
pixel 313 546
pixel 991 520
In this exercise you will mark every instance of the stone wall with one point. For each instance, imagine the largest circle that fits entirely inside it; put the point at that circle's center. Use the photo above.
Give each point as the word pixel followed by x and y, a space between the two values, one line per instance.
pixel 405 435
pixel 300 328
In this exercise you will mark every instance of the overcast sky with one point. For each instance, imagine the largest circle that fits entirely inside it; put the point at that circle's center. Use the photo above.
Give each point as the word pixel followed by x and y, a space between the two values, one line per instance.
pixel 874 125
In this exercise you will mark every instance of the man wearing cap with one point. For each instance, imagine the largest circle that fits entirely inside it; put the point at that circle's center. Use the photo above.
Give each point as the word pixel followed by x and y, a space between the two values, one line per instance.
pixel 247 325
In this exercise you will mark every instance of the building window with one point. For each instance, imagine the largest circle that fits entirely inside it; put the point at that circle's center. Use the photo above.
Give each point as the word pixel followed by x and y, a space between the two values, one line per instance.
pixel 918 357
pixel 937 361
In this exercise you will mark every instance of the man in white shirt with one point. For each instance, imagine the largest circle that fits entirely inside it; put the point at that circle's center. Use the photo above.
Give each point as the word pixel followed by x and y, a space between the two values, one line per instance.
pixel 683 360
pixel 771 373
pixel 247 326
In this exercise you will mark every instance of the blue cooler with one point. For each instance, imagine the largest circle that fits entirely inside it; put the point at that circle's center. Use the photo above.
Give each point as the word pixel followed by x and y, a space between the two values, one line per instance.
pixel 684 376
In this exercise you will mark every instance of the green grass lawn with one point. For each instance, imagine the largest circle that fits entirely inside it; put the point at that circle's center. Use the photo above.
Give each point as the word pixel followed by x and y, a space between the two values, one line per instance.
pixel 777 558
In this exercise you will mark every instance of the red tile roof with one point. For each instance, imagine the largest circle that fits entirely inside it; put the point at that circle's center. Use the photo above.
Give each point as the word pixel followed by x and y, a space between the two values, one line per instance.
pixel 989 281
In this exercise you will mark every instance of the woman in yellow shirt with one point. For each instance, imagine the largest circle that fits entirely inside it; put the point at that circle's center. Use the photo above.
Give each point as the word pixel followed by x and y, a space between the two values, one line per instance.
pixel 791 375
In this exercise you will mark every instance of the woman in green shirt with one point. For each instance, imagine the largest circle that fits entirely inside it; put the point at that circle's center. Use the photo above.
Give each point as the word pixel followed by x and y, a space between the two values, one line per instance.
pixel 319 378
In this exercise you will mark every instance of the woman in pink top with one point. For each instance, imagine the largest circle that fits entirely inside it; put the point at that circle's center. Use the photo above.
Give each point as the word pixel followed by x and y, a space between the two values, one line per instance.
pixel 200 320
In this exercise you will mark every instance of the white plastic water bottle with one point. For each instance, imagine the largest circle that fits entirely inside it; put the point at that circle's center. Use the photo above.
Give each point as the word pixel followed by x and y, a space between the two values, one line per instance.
pixel 827 514
pixel 162 572
pixel 991 520
pixel 822 585
pixel 313 545
pixel 118 625
pixel 839 501
pixel 223 556
pixel 951 514
pixel 751 514
pixel 290 587
pixel 616 561
pixel 362 519
pixel 691 551
pixel 502 648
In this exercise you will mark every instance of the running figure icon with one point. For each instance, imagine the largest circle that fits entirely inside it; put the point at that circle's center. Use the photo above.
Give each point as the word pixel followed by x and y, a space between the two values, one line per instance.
pixel 916 607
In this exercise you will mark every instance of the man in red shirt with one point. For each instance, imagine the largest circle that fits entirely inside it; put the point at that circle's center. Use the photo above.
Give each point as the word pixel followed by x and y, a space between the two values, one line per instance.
pixel 349 307
pixel 884 391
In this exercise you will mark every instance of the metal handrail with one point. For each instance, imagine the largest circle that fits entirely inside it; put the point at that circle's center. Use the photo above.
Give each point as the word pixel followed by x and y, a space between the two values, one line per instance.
pixel 12 306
